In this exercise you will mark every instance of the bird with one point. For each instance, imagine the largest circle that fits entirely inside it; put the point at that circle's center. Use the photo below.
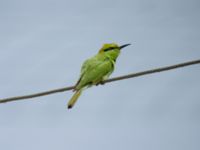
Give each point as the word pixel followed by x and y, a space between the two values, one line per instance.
pixel 96 69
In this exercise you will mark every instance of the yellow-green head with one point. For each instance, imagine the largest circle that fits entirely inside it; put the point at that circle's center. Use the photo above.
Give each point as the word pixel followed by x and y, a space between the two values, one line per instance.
pixel 112 50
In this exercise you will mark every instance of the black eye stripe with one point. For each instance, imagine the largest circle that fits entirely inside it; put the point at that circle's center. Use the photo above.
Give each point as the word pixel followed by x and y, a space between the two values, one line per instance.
pixel 108 49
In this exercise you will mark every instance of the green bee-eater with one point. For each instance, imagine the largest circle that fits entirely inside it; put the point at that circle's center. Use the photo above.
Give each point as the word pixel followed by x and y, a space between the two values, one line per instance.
pixel 96 69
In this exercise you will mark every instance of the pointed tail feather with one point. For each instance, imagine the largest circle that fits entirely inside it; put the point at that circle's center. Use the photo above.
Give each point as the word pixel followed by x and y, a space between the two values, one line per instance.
pixel 74 99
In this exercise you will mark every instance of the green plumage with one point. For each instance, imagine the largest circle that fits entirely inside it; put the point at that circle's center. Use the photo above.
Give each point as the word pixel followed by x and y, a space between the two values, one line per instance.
pixel 96 69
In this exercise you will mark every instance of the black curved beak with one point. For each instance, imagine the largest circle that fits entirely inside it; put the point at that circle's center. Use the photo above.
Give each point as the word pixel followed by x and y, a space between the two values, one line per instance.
pixel 124 46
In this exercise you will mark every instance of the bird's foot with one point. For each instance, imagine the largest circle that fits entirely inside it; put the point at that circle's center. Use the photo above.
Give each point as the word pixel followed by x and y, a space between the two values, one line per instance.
pixel 101 82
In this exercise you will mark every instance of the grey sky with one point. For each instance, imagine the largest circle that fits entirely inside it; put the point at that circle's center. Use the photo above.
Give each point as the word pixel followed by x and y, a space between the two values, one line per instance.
pixel 42 46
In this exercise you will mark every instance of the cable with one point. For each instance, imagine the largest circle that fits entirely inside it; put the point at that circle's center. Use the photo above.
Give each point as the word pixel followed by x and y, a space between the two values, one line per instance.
pixel 133 75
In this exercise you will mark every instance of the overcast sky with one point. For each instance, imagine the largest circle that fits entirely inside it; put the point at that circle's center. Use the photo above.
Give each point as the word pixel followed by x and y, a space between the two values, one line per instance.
pixel 42 46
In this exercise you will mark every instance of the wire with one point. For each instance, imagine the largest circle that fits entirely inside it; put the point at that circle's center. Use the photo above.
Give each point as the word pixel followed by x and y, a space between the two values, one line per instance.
pixel 133 75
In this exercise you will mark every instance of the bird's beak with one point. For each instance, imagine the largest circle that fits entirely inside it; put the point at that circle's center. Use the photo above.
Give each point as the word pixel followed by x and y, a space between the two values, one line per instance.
pixel 124 46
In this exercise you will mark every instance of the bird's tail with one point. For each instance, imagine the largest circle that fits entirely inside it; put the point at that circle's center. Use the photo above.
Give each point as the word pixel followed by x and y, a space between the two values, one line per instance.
pixel 74 98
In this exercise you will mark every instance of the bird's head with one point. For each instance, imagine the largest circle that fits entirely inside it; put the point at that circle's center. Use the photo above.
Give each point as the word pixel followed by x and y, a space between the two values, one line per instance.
pixel 112 50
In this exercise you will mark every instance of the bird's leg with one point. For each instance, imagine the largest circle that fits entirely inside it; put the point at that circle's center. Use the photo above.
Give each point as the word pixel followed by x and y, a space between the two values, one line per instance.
pixel 101 82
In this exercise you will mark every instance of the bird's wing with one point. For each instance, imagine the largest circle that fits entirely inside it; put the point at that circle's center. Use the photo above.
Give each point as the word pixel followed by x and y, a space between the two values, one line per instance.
pixel 87 65
pixel 94 71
